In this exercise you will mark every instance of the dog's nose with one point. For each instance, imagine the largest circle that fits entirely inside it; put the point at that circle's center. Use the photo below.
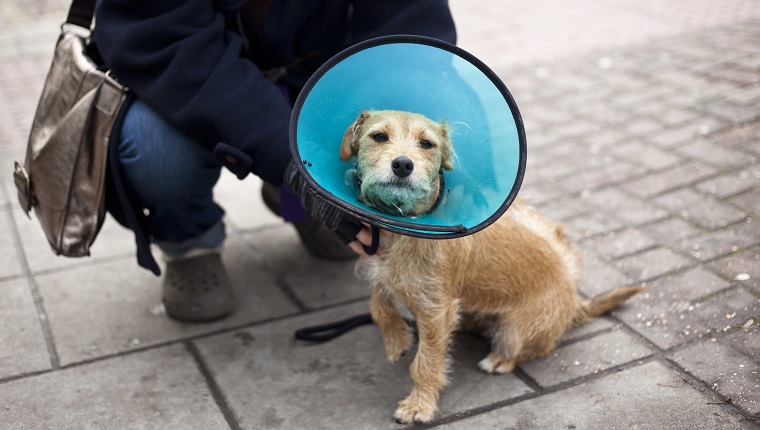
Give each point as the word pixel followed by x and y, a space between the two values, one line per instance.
pixel 402 166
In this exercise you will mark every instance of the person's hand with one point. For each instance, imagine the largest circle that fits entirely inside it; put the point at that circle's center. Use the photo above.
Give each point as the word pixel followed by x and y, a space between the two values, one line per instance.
pixel 364 238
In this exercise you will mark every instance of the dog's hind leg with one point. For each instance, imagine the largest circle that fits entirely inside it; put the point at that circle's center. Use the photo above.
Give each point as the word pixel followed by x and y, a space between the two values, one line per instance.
pixel 506 346
pixel 516 339
pixel 396 333
pixel 435 327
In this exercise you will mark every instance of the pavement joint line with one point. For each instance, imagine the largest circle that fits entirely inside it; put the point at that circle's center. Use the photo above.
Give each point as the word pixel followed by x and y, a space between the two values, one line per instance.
pixel 526 379
pixel 47 333
pixel 181 340
pixel 657 354
pixel 608 317
pixel 216 391
pixel 692 380
pixel 285 288
pixel 545 391
pixel 80 263
pixel 39 307
pixel 262 228
pixel 279 278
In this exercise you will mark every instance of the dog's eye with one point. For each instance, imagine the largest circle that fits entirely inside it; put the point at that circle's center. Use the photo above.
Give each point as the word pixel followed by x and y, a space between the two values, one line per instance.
pixel 426 144
pixel 379 137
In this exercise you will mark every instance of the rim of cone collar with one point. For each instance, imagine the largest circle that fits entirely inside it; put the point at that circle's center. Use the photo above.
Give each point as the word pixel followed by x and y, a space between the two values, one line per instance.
pixel 426 76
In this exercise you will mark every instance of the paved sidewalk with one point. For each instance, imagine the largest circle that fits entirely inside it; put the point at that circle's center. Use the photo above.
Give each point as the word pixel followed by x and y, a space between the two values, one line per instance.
pixel 643 125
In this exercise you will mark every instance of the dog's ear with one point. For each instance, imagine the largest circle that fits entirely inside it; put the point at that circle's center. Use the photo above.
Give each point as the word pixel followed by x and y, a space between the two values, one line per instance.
pixel 447 149
pixel 350 145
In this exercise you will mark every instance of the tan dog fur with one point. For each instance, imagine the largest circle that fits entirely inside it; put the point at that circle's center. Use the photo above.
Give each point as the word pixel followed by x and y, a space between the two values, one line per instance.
pixel 517 279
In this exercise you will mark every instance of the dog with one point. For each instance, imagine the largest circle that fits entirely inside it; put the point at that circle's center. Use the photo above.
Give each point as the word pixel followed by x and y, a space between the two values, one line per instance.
pixel 515 281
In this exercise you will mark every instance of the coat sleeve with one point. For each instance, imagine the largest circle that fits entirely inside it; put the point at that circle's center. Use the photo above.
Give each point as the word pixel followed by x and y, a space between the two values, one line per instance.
pixel 180 59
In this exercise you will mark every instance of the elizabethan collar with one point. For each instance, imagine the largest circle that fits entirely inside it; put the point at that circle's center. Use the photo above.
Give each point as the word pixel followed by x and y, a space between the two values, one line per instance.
pixel 432 78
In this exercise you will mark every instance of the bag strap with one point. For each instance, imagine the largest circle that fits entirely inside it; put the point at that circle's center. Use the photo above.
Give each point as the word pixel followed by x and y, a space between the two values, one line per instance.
pixel 81 12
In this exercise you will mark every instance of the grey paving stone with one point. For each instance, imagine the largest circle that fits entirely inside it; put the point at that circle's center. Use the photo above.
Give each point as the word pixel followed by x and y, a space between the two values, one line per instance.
pixel 722 242
pixel 5 201
pixel 652 264
pixel 669 179
pixel 9 252
pixel 316 282
pixel 674 116
pixel 698 96
pixel 731 111
pixel 732 183
pixel 737 75
pixel 586 357
pixel 742 267
pixel 603 113
pixel 272 381
pixel 606 138
pixel 112 241
pixel 749 201
pixel 103 309
pixel 564 208
pixel 599 277
pixel 552 167
pixel 8 191
pixel 746 340
pixel 590 328
pixel 745 95
pixel 630 399
pixel 575 129
pixel 643 127
pixel 621 205
pixel 161 388
pixel 728 310
pixel 689 285
pixel 602 176
pixel 670 231
pixel 24 349
pixel 537 194
pixel 738 136
pixel 687 133
pixel 618 243
pixel 648 156
pixel 714 154
pixel 668 321
pixel 725 370
pixel 591 224
pixel 705 211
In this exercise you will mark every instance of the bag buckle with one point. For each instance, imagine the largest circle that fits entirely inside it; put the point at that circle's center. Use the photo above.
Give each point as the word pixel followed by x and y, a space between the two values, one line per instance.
pixel 24 187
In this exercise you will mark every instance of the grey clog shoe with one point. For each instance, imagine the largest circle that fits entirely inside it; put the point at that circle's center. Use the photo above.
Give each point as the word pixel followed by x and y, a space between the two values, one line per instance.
pixel 198 289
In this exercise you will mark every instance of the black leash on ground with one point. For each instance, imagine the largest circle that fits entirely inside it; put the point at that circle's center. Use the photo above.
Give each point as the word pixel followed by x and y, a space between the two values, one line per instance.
pixel 329 331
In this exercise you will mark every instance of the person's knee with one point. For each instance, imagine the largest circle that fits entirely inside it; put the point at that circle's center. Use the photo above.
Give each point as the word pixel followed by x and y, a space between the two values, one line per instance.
pixel 161 164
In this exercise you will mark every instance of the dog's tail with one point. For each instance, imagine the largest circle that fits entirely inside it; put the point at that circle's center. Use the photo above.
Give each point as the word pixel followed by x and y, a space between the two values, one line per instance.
pixel 600 305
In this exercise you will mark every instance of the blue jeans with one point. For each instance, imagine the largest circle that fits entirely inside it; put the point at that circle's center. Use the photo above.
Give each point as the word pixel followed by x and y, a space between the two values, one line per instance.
pixel 172 176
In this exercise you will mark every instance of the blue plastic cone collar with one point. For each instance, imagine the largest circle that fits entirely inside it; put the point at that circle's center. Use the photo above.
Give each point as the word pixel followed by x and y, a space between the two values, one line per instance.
pixel 432 78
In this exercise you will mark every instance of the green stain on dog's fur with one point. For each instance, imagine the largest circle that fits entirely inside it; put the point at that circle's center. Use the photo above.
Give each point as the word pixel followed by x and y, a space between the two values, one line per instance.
pixel 394 199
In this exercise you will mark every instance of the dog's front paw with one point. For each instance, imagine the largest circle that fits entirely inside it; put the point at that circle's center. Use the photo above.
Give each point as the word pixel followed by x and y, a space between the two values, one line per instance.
pixel 397 344
pixel 496 364
pixel 412 411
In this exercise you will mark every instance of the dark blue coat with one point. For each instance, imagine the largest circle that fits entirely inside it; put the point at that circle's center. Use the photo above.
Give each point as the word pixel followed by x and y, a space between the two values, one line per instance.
pixel 188 60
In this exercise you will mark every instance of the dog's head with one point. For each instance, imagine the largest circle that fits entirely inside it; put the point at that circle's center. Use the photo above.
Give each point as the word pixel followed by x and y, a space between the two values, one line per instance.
pixel 399 159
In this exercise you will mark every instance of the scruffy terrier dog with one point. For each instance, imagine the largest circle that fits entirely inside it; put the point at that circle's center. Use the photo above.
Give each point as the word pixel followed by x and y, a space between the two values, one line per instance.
pixel 515 280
